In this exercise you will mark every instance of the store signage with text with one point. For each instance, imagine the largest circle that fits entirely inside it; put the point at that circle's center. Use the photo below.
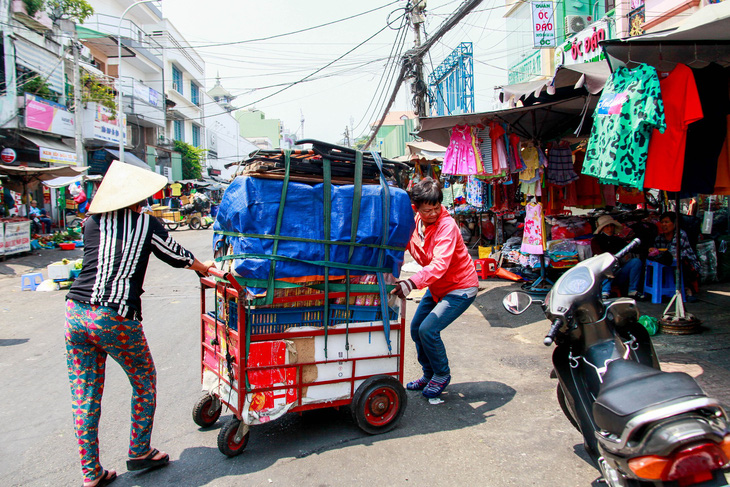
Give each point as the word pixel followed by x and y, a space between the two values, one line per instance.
pixel 147 94
pixel 107 127
pixel 543 25
pixel 58 156
pixel 584 46
pixel 527 69
pixel 8 155
pixel 45 115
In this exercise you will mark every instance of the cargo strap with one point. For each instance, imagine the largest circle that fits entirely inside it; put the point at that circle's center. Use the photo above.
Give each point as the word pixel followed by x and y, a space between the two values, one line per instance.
pixel 381 257
pixel 356 202
pixel 277 231
pixel 311 240
pixel 327 206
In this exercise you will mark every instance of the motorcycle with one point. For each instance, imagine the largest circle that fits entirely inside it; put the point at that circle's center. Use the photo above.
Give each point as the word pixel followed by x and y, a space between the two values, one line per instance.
pixel 640 426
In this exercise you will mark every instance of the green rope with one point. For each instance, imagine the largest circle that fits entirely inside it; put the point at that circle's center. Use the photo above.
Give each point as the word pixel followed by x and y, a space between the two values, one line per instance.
pixel 327 204
pixel 319 263
pixel 310 240
pixel 279 218
pixel 356 201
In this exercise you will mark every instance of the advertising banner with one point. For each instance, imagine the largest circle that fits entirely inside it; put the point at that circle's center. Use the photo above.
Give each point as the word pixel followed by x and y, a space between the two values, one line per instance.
pixel 584 47
pixel 48 154
pixel 147 94
pixel 108 128
pixel 17 237
pixel 544 33
pixel 48 116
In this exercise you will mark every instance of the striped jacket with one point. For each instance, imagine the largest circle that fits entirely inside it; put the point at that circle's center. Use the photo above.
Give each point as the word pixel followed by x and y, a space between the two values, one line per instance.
pixel 117 247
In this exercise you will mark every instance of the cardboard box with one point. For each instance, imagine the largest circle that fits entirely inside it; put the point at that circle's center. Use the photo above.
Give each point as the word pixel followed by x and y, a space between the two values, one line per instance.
pixel 58 270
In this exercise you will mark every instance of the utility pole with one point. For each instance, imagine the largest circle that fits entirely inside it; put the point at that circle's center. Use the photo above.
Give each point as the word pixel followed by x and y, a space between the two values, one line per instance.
pixel 418 85
pixel 69 27
pixel 347 137
pixel 413 58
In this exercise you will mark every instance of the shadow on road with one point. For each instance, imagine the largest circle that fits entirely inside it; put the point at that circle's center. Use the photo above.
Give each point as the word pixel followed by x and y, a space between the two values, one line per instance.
pixel 490 305
pixel 298 436
pixel 9 342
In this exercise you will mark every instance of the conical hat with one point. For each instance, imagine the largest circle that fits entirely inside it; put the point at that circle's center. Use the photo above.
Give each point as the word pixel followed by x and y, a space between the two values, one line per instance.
pixel 125 185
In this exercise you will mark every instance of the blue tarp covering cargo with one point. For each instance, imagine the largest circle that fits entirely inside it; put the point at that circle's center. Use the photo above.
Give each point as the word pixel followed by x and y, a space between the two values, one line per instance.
pixel 248 214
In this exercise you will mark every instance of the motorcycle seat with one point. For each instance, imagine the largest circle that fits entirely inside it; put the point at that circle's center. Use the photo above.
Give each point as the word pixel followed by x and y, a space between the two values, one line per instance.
pixel 630 388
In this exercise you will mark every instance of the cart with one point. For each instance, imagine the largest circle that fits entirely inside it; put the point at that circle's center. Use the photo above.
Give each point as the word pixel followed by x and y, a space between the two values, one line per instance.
pixel 174 218
pixel 263 363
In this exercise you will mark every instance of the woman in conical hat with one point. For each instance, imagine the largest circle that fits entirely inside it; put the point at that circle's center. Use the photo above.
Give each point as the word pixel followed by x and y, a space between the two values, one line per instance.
pixel 104 313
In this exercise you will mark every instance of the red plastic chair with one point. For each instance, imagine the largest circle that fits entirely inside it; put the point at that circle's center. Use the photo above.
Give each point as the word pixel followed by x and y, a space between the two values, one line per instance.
pixel 485 267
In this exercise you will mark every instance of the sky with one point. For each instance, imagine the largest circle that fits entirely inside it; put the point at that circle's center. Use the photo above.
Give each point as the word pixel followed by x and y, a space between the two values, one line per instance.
pixel 352 92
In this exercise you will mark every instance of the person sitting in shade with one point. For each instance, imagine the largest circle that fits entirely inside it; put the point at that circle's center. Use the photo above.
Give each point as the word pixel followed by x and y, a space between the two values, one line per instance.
pixel 40 217
pixel 606 240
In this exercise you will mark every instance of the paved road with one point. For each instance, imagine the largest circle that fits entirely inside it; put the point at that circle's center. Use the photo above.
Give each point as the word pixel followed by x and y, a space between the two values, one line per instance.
pixel 500 424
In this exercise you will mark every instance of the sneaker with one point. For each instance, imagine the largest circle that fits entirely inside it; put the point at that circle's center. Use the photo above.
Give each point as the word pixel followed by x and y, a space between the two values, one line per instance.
pixel 636 295
pixel 418 385
pixel 436 386
pixel 605 295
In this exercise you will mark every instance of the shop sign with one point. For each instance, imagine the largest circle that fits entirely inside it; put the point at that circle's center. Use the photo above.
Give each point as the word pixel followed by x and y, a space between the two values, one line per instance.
pixel 147 94
pixel 48 116
pixel 584 47
pixel 48 154
pixel 525 70
pixel 8 155
pixel 108 128
pixel 637 17
pixel 17 237
pixel 544 33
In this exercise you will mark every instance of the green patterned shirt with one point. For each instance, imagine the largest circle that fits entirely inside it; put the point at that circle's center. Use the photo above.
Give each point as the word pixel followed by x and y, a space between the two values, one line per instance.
pixel 629 109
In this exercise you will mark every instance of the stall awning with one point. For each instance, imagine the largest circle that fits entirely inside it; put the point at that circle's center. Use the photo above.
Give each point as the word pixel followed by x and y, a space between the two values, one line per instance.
pixel 589 76
pixel 701 38
pixel 52 150
pixel 23 178
pixel 544 121
pixel 129 158
pixel 426 150
pixel 103 42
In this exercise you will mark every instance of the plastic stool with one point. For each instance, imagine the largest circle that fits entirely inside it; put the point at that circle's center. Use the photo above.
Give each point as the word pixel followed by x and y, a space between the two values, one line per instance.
pixel 485 267
pixel 30 281
pixel 659 281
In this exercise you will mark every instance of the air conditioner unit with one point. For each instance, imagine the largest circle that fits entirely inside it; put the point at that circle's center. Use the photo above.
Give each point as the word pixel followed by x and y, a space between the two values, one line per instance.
pixel 576 23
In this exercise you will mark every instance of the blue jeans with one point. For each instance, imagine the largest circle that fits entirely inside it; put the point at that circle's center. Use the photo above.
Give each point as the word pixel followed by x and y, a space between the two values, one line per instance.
pixel 428 322
pixel 630 272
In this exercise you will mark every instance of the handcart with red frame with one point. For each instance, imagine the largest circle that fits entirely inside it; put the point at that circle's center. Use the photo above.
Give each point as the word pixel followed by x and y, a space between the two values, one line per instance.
pixel 262 363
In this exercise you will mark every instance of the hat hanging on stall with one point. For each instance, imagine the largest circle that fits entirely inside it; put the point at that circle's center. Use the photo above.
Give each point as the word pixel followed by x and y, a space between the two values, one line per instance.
pixel 125 185
pixel 604 221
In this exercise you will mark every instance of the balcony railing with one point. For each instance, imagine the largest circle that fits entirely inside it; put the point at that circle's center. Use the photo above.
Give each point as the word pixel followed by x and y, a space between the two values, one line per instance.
pixel 132 35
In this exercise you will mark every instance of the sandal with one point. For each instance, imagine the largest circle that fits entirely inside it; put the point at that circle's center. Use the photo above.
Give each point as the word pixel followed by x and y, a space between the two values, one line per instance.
pixel 436 386
pixel 148 461
pixel 105 479
pixel 418 385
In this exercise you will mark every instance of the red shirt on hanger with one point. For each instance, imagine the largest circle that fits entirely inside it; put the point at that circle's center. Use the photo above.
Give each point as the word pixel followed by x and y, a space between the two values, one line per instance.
pixel 665 162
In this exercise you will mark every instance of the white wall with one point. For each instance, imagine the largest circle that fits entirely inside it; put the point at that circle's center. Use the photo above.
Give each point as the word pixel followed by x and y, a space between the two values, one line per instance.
pixel 221 135
pixel 8 110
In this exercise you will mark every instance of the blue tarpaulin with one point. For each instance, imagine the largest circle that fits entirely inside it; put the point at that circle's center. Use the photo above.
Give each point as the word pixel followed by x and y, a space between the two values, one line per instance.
pixel 248 214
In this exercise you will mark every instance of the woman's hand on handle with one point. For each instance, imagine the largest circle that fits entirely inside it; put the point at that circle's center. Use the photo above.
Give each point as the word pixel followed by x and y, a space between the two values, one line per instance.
pixel 403 288
pixel 202 267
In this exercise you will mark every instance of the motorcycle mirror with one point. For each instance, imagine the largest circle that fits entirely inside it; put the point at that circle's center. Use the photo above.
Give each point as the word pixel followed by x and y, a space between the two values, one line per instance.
pixel 516 302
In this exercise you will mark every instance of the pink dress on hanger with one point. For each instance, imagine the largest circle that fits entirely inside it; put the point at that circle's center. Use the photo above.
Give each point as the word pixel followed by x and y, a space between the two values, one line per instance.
pixel 533 237
pixel 460 157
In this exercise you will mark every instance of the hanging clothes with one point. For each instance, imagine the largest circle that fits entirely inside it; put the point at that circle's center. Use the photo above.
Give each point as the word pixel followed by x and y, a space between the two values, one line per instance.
pixel 586 187
pixel 630 196
pixel 461 156
pixel 722 182
pixel 517 164
pixel 665 162
pixel 609 194
pixel 531 160
pixel 533 236
pixel 474 192
pixel 485 148
pixel 706 136
pixel 499 151
pixel 560 164
pixel 629 110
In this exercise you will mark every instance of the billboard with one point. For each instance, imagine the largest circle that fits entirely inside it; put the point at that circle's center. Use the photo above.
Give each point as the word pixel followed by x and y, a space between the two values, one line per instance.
pixel 544 33
pixel 47 116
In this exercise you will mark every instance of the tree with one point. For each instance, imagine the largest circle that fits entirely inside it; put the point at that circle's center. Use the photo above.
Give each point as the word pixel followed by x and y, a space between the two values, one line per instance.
pixel 32 7
pixel 191 160
pixel 77 10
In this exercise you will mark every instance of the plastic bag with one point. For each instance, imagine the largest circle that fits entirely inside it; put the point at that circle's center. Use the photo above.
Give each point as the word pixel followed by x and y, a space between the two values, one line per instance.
pixel 708 261
pixel 80 198
pixel 650 323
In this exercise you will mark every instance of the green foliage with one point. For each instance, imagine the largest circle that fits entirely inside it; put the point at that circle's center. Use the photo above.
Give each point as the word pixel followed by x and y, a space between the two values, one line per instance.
pixel 94 90
pixel 32 7
pixel 360 143
pixel 38 86
pixel 77 10
pixel 192 158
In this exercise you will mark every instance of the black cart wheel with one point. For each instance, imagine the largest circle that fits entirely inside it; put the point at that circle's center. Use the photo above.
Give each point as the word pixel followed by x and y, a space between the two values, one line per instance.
pixel 207 411
pixel 229 443
pixel 172 226
pixel 195 223
pixel 206 226
pixel 564 406
pixel 378 404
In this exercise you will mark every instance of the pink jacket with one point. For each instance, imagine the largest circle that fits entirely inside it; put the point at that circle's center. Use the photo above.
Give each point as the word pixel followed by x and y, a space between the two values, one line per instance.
pixel 446 262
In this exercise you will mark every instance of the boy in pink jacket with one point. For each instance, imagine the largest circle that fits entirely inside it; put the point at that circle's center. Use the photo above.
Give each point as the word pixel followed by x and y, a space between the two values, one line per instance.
pixel 448 273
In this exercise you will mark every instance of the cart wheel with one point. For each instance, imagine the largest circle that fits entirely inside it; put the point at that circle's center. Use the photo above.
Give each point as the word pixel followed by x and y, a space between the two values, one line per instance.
pixel 207 411
pixel 228 444
pixel 195 223
pixel 205 227
pixel 172 226
pixel 378 404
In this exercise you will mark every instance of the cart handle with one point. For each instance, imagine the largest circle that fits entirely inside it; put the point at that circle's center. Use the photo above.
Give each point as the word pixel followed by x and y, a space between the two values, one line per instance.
pixel 227 276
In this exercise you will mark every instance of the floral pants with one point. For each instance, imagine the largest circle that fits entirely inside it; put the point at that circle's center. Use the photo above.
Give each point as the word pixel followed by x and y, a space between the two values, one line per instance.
pixel 92 333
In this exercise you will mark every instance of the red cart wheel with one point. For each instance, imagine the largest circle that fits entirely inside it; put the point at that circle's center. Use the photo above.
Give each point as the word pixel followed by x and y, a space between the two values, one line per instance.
pixel 207 411
pixel 378 404
pixel 229 443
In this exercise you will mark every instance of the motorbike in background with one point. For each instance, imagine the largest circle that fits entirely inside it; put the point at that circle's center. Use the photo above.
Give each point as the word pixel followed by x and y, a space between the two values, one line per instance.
pixel 640 426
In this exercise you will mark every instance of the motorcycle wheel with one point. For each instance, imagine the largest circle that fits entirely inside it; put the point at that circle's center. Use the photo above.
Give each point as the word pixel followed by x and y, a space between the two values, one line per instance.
pixel 564 406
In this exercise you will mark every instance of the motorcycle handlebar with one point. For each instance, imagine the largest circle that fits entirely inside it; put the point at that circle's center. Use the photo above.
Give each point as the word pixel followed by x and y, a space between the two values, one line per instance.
pixel 634 243
pixel 550 337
